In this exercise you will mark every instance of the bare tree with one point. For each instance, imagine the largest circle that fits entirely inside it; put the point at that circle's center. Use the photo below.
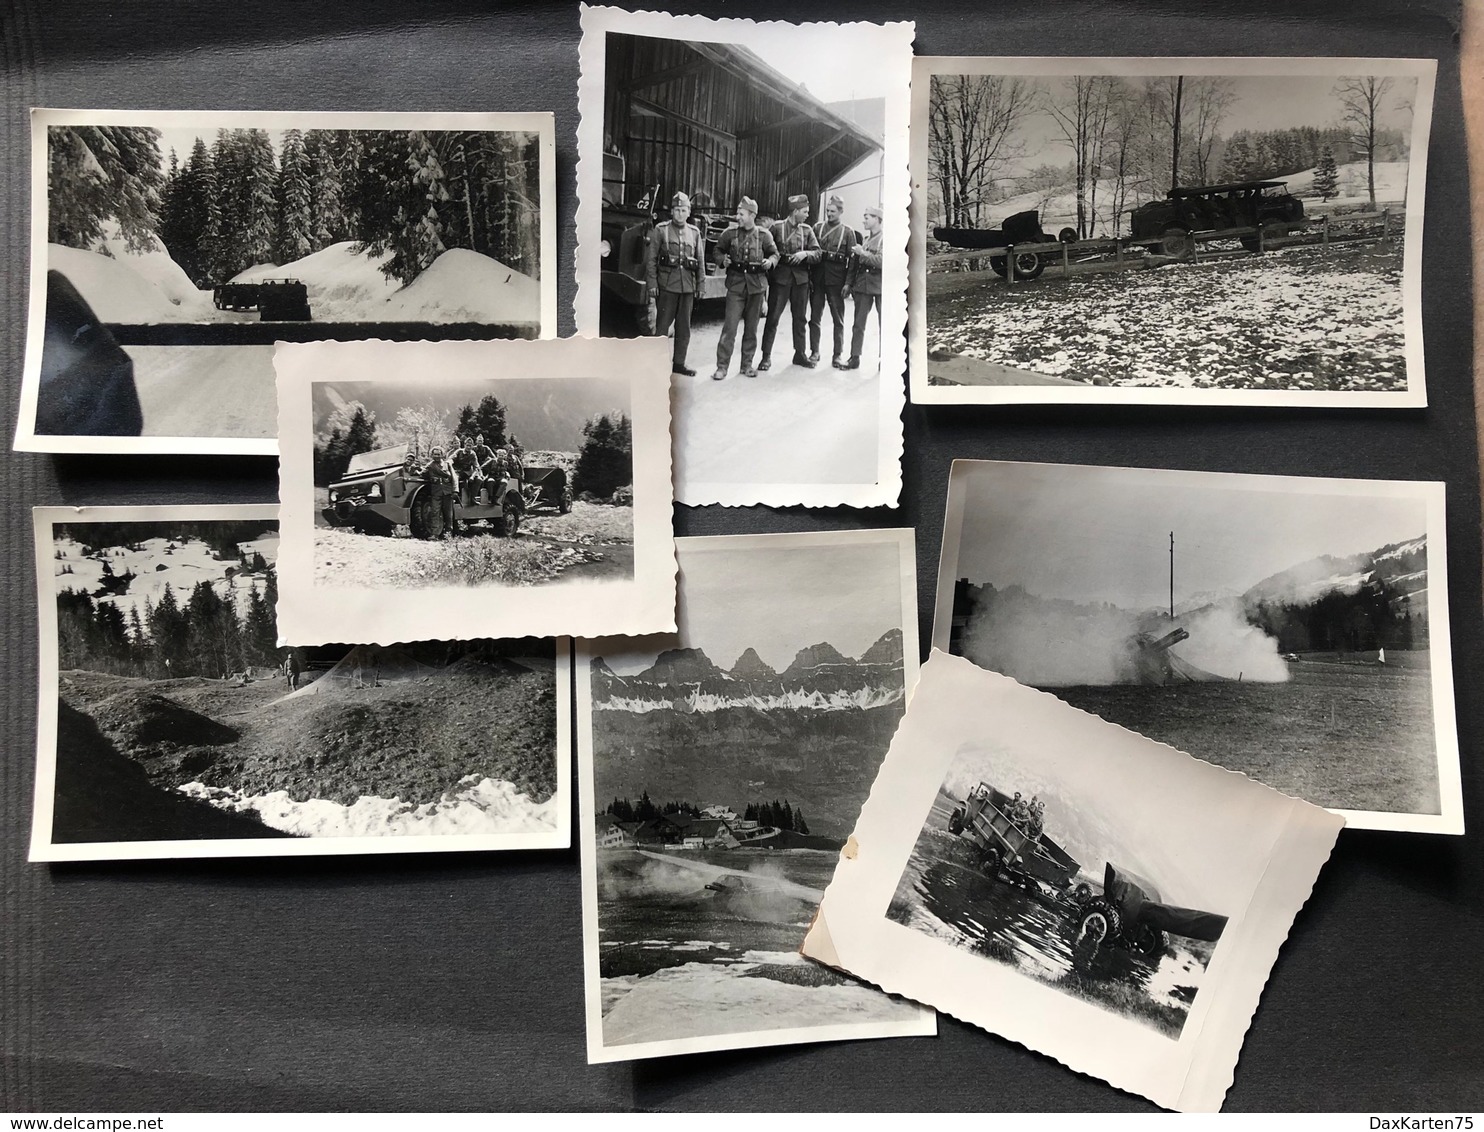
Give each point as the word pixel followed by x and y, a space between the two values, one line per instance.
pixel 1080 110
pixel 1360 104
pixel 973 134
pixel 1207 99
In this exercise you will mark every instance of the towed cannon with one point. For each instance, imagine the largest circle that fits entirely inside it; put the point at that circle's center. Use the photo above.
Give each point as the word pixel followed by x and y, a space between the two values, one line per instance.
pixel 1130 917
pixel 1018 230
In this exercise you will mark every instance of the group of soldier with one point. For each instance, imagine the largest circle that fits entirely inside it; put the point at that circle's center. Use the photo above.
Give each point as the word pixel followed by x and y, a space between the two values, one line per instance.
pixel 462 473
pixel 1029 817
pixel 796 267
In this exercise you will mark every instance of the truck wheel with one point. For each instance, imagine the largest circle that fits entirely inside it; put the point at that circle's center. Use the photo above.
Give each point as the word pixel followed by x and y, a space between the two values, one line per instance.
pixel 991 862
pixel 997 265
pixel 426 519
pixel 1146 941
pixel 1097 929
pixel 1082 894
pixel 1028 266
pixel 1067 236
pixel 956 821
pixel 1176 243
pixel 508 524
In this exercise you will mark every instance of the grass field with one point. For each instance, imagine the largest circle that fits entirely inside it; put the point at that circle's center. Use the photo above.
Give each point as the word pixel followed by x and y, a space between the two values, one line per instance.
pixel 1344 733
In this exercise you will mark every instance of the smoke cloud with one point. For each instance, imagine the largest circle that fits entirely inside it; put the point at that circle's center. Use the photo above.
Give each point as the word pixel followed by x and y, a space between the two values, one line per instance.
pixel 1050 643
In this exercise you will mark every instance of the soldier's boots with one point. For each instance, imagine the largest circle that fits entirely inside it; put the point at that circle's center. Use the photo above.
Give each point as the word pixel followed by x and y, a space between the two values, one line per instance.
pixel 719 375
pixel 836 362
pixel 751 370
pixel 814 357
pixel 806 363
pixel 685 371
pixel 853 363
pixel 766 363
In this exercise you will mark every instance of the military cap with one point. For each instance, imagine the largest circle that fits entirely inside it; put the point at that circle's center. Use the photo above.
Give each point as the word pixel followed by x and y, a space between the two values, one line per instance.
pixel 749 204
pixel 836 202
pixel 874 210
pixel 798 200
pixel 680 200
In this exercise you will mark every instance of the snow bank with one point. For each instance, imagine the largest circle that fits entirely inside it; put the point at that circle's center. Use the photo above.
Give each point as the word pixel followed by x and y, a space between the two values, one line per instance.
pixel 147 288
pixel 155 265
pixel 798 699
pixel 343 286
pixel 154 568
pixel 476 806
pixel 464 286
pixel 700 999
pixel 1391 185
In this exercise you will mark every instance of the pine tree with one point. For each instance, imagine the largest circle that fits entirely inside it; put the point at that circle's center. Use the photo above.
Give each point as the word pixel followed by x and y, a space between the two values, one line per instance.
pixel 295 236
pixel 102 174
pixel 325 167
pixel 468 422
pixel 259 198
pixel 489 419
pixel 1327 175
pixel 605 462
pixel 361 437
pixel 800 825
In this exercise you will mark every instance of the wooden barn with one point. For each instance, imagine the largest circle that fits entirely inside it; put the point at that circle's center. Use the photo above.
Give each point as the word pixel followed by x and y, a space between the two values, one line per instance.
pixel 714 120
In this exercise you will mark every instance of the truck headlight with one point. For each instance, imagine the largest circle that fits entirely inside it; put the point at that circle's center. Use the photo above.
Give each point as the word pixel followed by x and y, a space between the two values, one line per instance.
pixel 334 495
pixel 605 249
pixel 375 492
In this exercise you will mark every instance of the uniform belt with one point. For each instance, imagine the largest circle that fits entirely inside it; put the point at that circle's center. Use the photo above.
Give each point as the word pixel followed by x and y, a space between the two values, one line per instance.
pixel 750 268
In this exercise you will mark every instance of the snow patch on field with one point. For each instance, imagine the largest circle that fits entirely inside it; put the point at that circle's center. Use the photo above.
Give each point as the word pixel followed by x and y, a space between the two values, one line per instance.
pixel 862 699
pixel 702 999
pixel 153 569
pixel 1290 320
pixel 464 286
pixel 476 806
pixel 134 288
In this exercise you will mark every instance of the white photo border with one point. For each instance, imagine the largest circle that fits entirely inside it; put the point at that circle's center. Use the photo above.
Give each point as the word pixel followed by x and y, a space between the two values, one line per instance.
pixel 597 22
pixel 586 651
pixel 1191 1073
pixel 542 123
pixel 310 614
pixel 44 849
pixel 1449 819
pixel 924 68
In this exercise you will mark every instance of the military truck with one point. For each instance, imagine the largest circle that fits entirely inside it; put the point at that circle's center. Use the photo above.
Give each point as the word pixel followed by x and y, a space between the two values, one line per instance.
pixel 625 243
pixel 1166 225
pixel 1005 848
pixel 275 300
pixel 383 490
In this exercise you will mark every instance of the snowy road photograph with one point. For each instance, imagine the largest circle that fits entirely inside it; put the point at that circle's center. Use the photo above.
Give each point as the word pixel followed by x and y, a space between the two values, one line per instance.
pixel 172 249
pixel 180 728
pixel 1292 629
pixel 1244 232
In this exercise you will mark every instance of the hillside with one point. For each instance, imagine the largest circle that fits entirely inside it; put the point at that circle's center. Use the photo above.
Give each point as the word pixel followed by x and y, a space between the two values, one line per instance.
pixel 1402 566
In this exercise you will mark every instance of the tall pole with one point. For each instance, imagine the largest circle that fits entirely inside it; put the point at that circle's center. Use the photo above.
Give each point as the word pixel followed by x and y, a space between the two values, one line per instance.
pixel 1172 575
pixel 1175 144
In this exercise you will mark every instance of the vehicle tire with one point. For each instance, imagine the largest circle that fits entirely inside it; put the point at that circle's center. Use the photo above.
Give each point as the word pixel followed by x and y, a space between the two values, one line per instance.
pixel 1099 925
pixel 508 524
pixel 956 821
pixel 997 265
pixel 1028 266
pixel 1175 243
pixel 1082 894
pixel 426 518
pixel 564 505
pixel 1067 236
pixel 1146 941
pixel 991 862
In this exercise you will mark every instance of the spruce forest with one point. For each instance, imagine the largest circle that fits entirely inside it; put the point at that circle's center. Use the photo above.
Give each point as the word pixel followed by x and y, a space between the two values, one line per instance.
pixel 250 197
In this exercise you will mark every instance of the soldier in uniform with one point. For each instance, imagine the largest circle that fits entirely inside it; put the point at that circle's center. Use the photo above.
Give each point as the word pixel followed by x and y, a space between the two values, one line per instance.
pixel 484 457
pixel 673 268
pixel 443 485
pixel 827 280
pixel 466 466
pixel 798 250
pixel 865 283
pixel 748 253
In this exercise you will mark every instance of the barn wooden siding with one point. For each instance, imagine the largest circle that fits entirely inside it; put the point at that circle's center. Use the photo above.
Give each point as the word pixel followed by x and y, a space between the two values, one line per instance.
pixel 685 121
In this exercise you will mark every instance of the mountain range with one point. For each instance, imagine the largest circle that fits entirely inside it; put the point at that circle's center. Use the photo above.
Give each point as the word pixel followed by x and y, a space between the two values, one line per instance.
pixel 819 678
pixel 1401 565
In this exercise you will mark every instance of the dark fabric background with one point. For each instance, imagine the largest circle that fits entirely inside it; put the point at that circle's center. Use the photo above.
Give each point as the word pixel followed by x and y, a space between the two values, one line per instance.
pixel 455 982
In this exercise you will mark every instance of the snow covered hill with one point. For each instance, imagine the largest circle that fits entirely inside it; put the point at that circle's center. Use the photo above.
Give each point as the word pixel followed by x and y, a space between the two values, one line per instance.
pixel 154 567
pixel 1402 565
pixel 132 287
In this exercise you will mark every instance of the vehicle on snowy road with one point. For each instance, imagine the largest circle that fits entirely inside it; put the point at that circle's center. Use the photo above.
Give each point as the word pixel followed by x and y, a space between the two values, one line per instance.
pixel 275 300
pixel 379 493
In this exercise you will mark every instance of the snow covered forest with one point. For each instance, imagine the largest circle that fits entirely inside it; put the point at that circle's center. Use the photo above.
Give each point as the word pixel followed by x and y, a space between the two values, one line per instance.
pixel 1129 140
pixel 248 198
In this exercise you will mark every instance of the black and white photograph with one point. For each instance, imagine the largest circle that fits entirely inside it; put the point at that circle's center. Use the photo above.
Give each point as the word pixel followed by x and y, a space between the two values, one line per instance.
pixel 721 770
pixel 1025 878
pixel 742 194
pixel 468 489
pixel 1294 629
pixel 173 724
pixel 172 249
pixel 1169 231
